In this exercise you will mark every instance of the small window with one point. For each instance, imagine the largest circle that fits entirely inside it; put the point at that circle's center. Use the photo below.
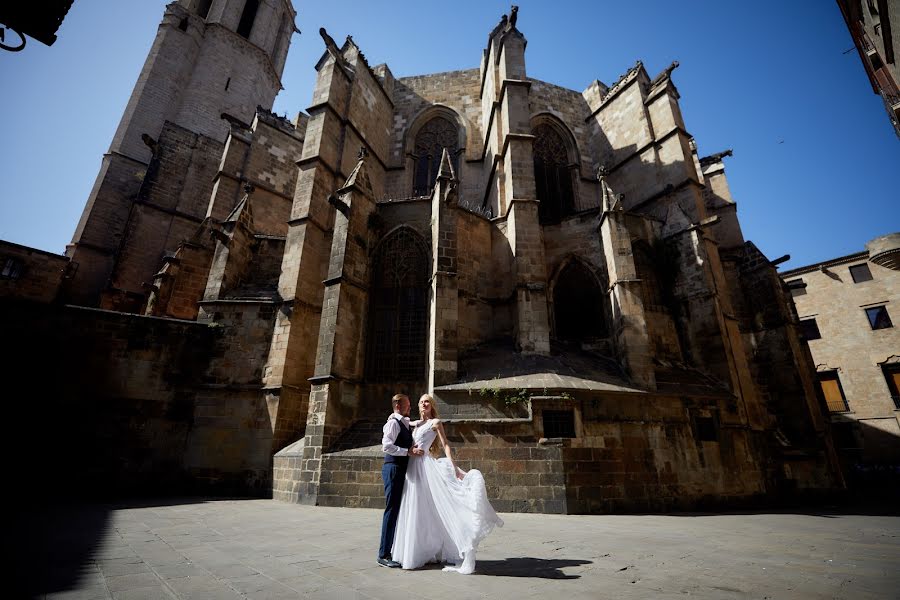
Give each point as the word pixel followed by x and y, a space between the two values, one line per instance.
pixel 247 17
pixel 559 423
pixel 892 377
pixel 706 429
pixel 203 9
pixel 830 387
pixel 860 273
pixel 879 317
pixel 809 329
pixel 797 287
pixel 183 25
pixel 12 268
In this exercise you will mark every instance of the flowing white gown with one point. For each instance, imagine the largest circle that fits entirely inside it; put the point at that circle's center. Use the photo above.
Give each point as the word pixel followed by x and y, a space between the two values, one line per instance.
pixel 441 518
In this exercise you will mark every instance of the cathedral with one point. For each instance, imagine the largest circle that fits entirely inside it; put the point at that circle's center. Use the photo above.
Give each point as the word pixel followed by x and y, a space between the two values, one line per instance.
pixel 562 269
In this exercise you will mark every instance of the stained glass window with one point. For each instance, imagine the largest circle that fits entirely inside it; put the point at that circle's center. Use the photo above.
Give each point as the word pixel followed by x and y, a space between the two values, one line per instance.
pixel 435 135
pixel 552 176
pixel 398 313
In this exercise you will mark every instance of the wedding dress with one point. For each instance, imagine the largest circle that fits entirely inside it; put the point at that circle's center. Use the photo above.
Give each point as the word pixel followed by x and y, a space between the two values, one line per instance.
pixel 442 518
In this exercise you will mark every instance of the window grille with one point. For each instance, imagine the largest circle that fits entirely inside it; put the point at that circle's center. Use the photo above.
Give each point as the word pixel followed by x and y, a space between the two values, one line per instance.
pixel 830 387
pixel 558 423
pixel 398 310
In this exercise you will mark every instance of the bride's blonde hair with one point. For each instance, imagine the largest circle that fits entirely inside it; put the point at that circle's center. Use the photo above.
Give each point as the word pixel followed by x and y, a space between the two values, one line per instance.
pixel 436 449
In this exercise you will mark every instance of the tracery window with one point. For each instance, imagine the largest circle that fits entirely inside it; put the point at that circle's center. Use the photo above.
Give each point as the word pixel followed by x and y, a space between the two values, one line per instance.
pixel 398 310
pixel 552 175
pixel 578 304
pixel 435 135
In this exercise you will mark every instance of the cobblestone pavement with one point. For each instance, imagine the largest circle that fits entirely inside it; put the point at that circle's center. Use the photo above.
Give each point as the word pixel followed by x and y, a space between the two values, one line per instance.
pixel 224 549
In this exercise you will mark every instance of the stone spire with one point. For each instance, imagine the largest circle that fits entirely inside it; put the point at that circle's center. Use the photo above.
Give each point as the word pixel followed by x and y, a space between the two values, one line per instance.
pixel 446 169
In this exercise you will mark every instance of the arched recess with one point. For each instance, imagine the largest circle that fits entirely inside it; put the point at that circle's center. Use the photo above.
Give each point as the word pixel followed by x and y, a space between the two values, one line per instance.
pixel 433 129
pixel 645 265
pixel 556 163
pixel 398 307
pixel 579 309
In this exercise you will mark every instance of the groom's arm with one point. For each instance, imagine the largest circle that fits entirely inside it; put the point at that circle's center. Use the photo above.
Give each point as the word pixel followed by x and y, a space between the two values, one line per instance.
pixel 389 439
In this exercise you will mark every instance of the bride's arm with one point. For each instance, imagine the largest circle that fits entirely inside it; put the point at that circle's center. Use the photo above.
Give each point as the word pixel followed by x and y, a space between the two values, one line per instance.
pixel 446 444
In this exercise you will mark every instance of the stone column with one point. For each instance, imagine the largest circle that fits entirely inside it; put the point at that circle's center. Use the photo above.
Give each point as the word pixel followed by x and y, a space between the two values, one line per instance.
pixel 629 324
pixel 334 396
pixel 292 353
pixel 519 195
pixel 442 338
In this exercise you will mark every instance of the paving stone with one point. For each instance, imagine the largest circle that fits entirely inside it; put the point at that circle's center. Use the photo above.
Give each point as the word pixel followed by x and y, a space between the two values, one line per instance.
pixel 780 555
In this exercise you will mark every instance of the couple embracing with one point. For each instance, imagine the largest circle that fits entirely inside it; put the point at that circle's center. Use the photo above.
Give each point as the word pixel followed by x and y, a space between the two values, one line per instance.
pixel 434 511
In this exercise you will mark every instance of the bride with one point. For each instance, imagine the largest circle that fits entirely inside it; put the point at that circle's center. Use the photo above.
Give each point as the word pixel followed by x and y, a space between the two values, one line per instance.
pixel 444 513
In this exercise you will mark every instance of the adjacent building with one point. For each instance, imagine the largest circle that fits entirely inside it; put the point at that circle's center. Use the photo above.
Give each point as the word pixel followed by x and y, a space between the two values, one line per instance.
pixel 875 28
pixel 849 314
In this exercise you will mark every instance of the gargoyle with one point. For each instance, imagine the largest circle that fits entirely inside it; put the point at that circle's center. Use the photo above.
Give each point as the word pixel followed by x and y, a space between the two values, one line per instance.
pixel 513 17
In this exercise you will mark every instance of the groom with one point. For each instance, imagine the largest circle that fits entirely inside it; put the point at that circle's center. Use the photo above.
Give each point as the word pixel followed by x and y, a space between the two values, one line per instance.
pixel 396 442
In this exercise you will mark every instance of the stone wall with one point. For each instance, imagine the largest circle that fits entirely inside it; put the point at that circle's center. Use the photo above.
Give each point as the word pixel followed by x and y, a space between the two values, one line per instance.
pixel 630 454
pixel 31 274
pixel 118 410
pixel 169 209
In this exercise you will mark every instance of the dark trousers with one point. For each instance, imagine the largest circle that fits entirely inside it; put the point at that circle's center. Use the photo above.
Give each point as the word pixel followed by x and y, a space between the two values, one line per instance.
pixel 393 475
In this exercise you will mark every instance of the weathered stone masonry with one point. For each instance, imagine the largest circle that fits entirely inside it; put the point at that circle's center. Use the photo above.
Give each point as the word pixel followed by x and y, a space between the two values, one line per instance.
pixel 562 271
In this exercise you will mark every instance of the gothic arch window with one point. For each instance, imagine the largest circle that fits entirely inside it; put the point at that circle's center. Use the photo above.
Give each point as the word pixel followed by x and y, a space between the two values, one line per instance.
pixel 644 264
pixel 245 26
pixel 552 174
pixel 578 304
pixel 398 308
pixel 438 133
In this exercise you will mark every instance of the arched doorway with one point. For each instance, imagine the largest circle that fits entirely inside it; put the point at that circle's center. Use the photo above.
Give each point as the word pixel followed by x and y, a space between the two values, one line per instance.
pixel 578 304
pixel 398 312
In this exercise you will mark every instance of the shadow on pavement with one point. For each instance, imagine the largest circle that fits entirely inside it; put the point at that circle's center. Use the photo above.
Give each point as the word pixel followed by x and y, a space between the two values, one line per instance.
pixel 54 547
pixel 541 568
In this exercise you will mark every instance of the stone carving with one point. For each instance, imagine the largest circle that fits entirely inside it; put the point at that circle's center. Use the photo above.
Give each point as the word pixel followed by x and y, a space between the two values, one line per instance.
pixel 666 74
pixel 513 17
pixel 332 47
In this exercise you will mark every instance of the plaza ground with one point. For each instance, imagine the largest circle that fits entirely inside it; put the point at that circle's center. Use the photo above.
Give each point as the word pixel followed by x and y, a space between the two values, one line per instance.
pixel 229 549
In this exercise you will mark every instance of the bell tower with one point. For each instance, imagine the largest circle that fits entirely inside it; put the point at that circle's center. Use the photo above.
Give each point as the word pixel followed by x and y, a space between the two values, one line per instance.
pixel 210 58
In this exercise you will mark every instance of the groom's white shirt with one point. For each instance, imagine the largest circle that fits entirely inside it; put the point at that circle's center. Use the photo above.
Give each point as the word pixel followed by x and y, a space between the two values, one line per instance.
pixel 391 430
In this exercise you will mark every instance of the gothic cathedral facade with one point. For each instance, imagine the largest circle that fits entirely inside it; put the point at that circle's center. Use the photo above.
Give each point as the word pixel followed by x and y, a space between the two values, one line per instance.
pixel 561 269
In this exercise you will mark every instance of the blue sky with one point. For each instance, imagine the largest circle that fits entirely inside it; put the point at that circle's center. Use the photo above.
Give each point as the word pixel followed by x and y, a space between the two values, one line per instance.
pixel 815 165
